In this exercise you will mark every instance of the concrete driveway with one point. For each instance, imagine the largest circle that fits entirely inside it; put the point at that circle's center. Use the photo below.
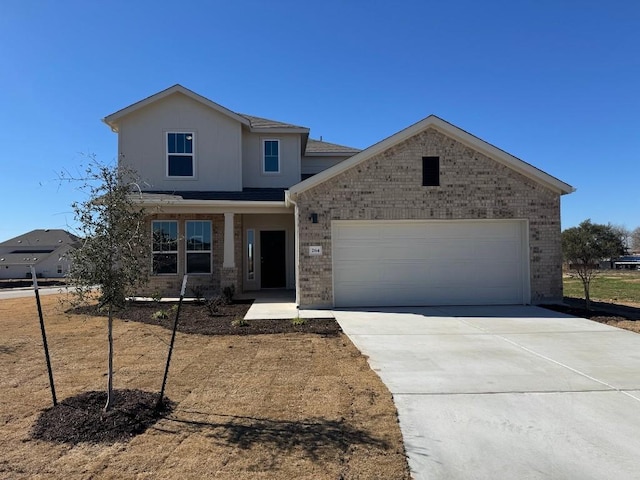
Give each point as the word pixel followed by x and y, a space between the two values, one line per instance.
pixel 507 392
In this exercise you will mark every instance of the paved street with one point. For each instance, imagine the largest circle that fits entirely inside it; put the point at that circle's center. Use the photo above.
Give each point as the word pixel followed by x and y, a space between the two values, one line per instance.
pixel 28 292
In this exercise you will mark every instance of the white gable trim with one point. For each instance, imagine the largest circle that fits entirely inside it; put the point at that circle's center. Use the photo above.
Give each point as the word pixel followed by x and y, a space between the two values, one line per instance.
pixel 113 119
pixel 279 130
pixel 168 203
pixel 451 131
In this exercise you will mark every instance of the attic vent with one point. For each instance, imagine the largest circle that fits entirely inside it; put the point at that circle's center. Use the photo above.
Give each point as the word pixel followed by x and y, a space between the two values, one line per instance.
pixel 431 171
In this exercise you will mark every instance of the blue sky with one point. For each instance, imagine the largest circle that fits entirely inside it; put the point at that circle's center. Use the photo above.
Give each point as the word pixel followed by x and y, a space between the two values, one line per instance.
pixel 555 83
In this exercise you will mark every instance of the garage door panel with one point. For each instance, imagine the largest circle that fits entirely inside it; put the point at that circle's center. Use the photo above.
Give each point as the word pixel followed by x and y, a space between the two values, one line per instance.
pixel 403 253
pixel 357 272
pixel 403 273
pixel 380 263
pixel 486 249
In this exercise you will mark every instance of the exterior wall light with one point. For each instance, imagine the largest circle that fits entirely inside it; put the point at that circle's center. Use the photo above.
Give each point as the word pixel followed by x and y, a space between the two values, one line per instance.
pixel 313 217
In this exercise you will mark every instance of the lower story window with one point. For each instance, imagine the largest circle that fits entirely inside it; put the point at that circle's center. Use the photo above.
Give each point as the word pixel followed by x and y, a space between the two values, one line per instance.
pixel 165 247
pixel 198 246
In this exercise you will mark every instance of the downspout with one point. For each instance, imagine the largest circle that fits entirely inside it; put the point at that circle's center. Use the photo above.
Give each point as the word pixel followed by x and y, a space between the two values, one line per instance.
pixel 288 201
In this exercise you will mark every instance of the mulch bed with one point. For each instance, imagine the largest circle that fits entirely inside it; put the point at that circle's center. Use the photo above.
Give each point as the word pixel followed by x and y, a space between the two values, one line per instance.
pixel 196 319
pixel 601 312
pixel 81 418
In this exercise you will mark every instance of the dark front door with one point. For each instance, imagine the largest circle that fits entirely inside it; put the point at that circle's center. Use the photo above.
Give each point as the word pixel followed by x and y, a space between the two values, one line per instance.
pixel 272 259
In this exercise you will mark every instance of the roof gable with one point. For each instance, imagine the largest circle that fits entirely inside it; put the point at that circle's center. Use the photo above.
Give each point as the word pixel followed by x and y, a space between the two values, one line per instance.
pixel 114 119
pixel 253 124
pixel 449 130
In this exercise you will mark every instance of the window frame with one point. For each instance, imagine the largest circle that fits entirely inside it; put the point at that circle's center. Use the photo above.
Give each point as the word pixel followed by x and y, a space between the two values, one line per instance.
pixel 187 251
pixel 251 254
pixel 155 252
pixel 264 156
pixel 191 155
pixel 431 171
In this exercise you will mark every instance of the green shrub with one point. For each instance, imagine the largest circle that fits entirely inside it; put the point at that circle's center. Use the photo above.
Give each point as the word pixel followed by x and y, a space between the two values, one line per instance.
pixel 160 315
pixel 297 321
pixel 239 322
pixel 163 313
pixel 213 304
pixel 198 293
pixel 228 293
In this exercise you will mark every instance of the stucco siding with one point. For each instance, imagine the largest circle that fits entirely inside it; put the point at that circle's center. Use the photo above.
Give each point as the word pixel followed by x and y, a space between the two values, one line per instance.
pixel 142 145
pixel 252 158
pixel 388 186
pixel 317 164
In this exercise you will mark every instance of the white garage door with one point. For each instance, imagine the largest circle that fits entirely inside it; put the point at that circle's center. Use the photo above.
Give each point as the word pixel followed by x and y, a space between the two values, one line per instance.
pixel 378 263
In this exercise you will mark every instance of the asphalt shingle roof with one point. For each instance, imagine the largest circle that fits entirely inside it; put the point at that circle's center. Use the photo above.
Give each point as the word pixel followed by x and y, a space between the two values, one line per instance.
pixel 259 122
pixel 35 246
pixel 41 238
pixel 247 195
pixel 318 146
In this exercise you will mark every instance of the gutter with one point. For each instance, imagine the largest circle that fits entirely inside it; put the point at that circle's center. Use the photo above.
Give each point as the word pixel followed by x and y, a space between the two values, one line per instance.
pixel 296 243
pixel 288 201
pixel 175 204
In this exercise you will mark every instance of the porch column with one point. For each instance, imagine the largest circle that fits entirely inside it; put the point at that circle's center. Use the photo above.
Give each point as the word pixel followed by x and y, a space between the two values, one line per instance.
pixel 229 259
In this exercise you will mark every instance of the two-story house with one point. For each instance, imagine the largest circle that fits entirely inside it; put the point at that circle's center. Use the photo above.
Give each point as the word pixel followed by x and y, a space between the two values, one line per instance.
pixel 214 183
pixel 430 215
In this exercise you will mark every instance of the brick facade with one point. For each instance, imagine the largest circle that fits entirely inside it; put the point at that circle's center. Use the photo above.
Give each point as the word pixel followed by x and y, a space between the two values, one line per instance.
pixel 388 186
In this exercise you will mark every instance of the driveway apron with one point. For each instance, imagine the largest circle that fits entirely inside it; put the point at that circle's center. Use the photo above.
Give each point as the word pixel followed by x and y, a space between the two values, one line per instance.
pixel 506 392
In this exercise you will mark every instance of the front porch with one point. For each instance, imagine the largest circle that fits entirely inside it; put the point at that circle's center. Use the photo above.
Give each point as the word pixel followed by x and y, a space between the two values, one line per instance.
pixel 278 304
pixel 251 247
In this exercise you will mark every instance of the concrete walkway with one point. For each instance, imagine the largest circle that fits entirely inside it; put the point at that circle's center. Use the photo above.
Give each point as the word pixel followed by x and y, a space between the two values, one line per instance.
pixel 507 392
pixel 280 305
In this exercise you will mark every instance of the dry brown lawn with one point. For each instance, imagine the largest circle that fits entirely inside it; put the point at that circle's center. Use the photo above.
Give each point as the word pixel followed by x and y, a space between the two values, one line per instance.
pixel 279 406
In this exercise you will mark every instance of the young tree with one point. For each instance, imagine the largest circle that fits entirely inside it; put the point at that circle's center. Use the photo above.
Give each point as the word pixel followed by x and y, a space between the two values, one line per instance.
pixel 113 257
pixel 585 245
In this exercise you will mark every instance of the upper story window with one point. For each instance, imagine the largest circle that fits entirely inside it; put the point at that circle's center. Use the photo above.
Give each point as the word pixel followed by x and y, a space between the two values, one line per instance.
pixel 165 246
pixel 198 249
pixel 431 171
pixel 271 156
pixel 180 158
